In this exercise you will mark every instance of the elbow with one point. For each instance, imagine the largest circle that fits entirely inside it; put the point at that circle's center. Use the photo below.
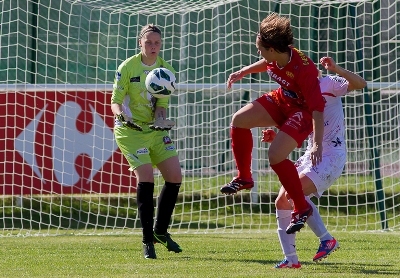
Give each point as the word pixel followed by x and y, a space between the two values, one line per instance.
pixel 360 85
pixel 363 84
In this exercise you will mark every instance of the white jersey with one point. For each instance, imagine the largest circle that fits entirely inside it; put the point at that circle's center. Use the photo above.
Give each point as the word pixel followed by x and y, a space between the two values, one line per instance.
pixel 332 89
pixel 329 170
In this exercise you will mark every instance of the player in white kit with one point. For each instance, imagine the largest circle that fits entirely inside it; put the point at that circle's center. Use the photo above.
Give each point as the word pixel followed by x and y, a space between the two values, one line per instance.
pixel 316 179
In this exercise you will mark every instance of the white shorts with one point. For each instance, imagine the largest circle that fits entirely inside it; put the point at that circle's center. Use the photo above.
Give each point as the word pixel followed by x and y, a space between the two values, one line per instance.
pixel 325 173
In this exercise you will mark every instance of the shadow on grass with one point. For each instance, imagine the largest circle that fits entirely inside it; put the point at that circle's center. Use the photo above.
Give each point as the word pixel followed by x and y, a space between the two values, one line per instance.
pixel 360 268
pixel 102 212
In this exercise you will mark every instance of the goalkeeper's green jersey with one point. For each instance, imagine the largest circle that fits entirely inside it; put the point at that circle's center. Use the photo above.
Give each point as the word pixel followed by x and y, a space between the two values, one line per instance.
pixel 130 90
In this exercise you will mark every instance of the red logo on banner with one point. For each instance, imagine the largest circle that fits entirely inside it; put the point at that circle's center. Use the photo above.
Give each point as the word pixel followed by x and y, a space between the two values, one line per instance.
pixel 60 142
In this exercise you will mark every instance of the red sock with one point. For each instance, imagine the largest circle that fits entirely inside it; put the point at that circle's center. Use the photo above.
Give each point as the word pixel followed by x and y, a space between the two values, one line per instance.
pixel 242 146
pixel 290 180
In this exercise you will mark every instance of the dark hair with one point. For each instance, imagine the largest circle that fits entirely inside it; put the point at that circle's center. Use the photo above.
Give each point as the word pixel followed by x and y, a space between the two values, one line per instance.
pixel 275 32
pixel 149 28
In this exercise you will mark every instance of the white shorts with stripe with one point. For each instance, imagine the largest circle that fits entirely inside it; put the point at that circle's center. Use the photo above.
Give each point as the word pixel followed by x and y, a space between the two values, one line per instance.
pixel 325 173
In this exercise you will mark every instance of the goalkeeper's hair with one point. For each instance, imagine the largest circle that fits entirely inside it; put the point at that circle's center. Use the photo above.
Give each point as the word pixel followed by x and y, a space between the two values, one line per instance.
pixel 275 32
pixel 149 28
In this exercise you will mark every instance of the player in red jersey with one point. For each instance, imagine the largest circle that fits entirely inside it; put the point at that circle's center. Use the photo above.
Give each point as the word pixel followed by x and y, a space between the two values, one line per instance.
pixel 296 108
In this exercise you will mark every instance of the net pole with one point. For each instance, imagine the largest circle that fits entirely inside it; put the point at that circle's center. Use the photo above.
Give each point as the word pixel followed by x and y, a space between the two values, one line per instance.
pixel 182 98
pixel 34 34
pixel 374 153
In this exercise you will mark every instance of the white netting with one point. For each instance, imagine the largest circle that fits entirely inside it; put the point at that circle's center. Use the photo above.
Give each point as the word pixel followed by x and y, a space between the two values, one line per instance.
pixel 152 7
pixel 62 170
pixel 184 6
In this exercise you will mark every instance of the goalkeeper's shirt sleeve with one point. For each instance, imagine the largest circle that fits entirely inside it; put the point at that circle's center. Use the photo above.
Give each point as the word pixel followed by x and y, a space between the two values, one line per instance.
pixel 121 84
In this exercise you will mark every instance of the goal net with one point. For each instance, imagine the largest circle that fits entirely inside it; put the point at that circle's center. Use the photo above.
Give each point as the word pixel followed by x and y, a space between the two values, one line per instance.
pixel 62 172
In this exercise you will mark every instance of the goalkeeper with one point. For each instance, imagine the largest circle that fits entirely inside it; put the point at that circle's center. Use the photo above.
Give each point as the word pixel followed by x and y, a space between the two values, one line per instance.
pixel 141 133
pixel 316 179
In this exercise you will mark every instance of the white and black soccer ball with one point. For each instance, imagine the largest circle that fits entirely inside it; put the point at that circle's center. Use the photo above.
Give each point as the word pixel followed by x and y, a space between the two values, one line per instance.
pixel 160 82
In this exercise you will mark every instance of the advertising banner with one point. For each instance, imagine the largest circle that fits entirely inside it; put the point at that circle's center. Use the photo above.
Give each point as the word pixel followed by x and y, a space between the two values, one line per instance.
pixel 60 142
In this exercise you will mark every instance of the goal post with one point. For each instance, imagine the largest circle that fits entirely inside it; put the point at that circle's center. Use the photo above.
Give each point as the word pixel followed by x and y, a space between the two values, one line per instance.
pixel 62 171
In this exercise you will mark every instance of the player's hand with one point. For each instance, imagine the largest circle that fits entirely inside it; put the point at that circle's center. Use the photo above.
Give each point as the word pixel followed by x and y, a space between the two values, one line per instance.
pixel 268 135
pixel 316 154
pixel 128 122
pixel 328 63
pixel 233 77
pixel 161 124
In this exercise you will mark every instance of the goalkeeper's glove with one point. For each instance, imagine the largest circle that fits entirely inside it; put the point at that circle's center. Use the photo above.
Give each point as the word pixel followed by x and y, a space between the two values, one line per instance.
pixel 161 124
pixel 127 122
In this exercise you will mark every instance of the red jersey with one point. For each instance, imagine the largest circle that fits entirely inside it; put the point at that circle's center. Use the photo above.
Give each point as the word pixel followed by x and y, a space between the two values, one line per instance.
pixel 299 83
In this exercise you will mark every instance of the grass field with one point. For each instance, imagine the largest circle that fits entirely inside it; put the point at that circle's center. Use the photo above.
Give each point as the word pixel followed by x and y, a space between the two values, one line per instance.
pixel 250 252
pixel 246 254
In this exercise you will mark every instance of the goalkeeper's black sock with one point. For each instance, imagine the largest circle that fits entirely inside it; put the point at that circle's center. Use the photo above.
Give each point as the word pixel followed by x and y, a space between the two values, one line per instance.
pixel 145 205
pixel 166 205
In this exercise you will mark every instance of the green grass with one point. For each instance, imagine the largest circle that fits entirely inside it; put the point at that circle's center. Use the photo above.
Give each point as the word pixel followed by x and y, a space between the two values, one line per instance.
pixel 251 251
pixel 245 254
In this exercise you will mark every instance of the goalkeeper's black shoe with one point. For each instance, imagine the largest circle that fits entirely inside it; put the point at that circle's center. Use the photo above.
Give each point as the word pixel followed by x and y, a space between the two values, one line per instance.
pixel 167 241
pixel 148 251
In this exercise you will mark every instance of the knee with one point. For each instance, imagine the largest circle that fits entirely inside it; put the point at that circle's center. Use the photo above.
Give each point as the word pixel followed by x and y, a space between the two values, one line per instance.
pixel 176 179
pixel 274 156
pixel 144 173
pixel 241 119
pixel 236 120
pixel 145 177
pixel 173 176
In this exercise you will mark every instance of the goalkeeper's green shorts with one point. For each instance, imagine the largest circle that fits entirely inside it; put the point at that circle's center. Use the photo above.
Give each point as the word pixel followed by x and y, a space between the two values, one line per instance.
pixel 144 147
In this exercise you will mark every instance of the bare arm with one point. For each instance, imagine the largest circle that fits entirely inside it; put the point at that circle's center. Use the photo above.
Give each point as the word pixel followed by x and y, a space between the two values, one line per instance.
pixel 160 112
pixel 318 127
pixel 160 121
pixel 256 67
pixel 116 108
pixel 356 82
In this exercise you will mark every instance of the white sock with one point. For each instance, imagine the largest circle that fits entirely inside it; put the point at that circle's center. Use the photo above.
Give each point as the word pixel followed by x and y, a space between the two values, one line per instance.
pixel 287 241
pixel 316 224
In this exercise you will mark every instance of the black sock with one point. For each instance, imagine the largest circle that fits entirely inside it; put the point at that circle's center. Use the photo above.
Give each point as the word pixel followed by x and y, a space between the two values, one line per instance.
pixel 166 205
pixel 145 205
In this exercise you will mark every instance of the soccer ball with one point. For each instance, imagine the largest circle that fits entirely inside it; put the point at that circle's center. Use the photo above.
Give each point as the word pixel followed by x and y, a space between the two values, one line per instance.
pixel 160 82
